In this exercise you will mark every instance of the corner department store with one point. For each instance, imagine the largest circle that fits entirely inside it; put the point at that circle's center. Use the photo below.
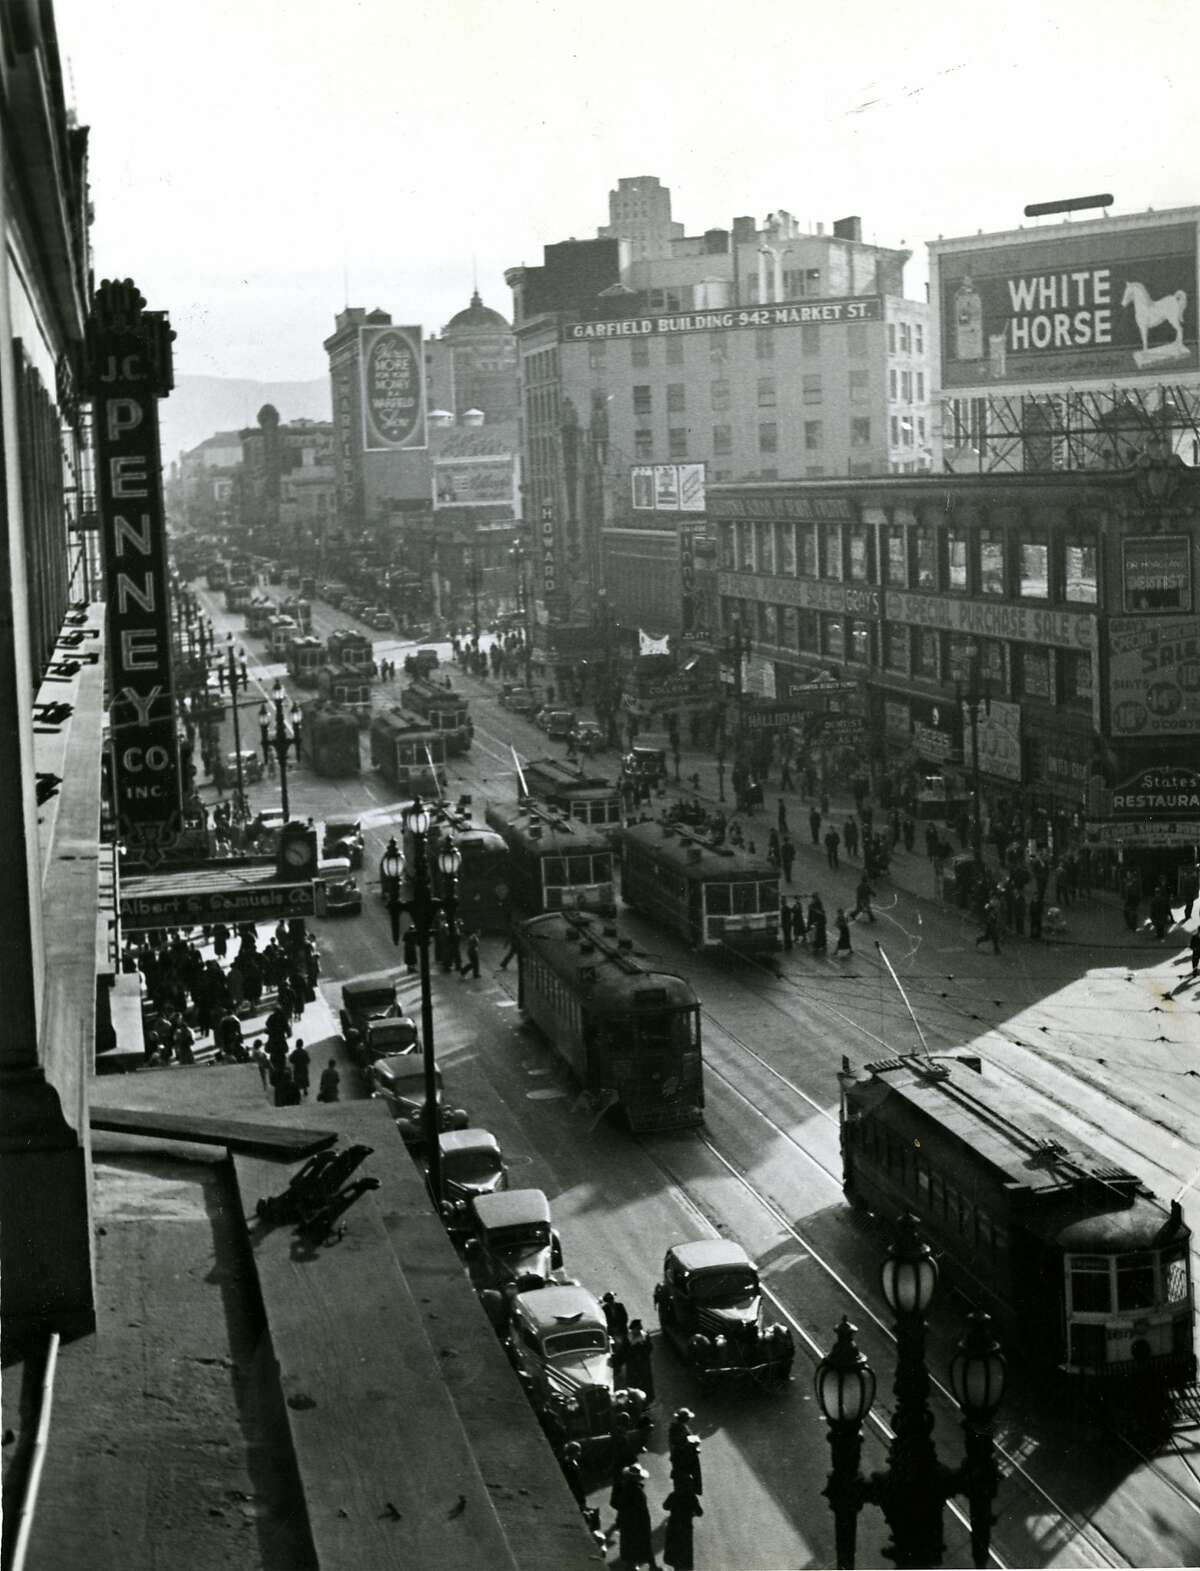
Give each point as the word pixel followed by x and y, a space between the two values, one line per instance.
pixel 1064 603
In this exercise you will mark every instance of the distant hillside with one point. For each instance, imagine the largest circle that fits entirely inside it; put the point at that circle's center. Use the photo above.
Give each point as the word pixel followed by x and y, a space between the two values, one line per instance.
pixel 200 406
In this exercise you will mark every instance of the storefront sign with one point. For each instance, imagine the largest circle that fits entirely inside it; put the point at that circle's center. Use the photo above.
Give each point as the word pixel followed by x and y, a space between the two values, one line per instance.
pixel 129 370
pixel 179 908
pixel 1156 572
pixel 345 455
pixel 1154 676
pixel 934 733
pixel 1157 793
pixel 549 553
pixel 992 619
pixel 897 722
pixel 1059 768
pixel 811 594
pixel 805 509
pixel 393 375
pixel 1112 303
pixel 669 488
pixel 998 729
pixel 798 313
pixel 1182 834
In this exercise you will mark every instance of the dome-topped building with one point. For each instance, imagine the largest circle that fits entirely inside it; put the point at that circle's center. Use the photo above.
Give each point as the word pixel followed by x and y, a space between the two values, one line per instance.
pixel 473 365
pixel 477 316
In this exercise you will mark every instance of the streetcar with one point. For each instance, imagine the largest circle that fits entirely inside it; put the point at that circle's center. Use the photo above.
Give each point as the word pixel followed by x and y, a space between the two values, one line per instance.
pixel 715 896
pixel 483 884
pixel 630 1035
pixel 586 798
pixel 556 865
pixel 279 634
pixel 217 575
pixel 331 740
pixel 304 659
pixel 259 612
pixel 407 756
pixel 443 709
pixel 346 685
pixel 348 647
pixel 1073 1256
pixel 238 596
pixel 299 610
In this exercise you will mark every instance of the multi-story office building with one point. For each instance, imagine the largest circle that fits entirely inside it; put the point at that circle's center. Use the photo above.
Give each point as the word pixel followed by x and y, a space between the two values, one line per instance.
pixel 751 352
pixel 1067 346
pixel 56 951
pixel 473 365
pixel 1051 619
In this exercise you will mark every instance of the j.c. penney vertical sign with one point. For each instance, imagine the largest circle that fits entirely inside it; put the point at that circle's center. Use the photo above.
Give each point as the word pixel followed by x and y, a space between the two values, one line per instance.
pixel 129 370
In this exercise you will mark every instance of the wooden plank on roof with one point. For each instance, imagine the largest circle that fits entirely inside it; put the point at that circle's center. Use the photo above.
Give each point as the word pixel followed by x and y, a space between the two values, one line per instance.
pixel 238 1134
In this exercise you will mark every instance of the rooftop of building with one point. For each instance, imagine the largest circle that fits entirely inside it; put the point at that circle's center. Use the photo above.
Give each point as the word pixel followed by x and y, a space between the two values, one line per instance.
pixel 477 317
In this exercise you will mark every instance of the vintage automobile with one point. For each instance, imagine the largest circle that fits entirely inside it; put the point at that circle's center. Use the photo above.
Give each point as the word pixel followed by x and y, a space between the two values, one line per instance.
pixel 556 723
pixel 559 1345
pixel 252 766
pixel 587 736
pixel 511 1239
pixel 472 1169
pixel 400 1082
pixel 342 896
pixel 373 1023
pixel 645 765
pixel 710 1307
pixel 344 837
pixel 519 699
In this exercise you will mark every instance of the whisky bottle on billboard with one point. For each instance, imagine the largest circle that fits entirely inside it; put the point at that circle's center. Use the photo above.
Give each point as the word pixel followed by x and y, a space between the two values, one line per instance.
pixel 968 321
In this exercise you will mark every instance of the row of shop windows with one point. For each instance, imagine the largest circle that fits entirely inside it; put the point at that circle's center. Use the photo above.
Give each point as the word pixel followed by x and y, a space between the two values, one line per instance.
pixel 680 438
pixel 1013 670
pixel 1024 561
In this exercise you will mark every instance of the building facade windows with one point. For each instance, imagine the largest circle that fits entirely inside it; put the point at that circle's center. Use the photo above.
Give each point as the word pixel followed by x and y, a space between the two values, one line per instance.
pixel 766 392
pixel 860 431
pixel 720 396
pixel 785 549
pixel 674 351
pixel 860 387
pixel 745 548
pixel 722 439
pixel 833 638
pixel 811 386
pixel 895 648
pixel 859 542
pixel 856 340
pixel 806 551
pixel 764 549
pixel 859 645
pixel 764 346
pixel 1033 563
pixel 639 352
pixel 927 555
pixel 831 551
pixel 643 398
pixel 643 444
pixel 1076 668
pixel 768 436
pixel 677 442
pixel 1036 675
pixel 891 338
pixel 992 577
pixel 1081 576
pixel 676 398
pixel 808 632
pixel 926 655
pixel 895 557
pixel 812 436
pixel 598 357
pixel 956 560
pixel 810 339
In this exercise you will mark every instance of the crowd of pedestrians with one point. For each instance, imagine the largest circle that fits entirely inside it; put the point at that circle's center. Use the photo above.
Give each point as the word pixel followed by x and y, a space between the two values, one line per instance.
pixel 187 998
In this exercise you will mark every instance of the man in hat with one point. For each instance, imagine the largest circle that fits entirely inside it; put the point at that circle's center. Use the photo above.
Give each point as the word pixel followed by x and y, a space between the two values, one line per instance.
pixel 679 1428
pixel 682 1507
pixel 616 1317
pixel 686 1472
pixel 636 1360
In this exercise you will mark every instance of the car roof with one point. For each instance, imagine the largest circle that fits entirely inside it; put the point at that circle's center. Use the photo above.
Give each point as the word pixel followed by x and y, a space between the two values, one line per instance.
pixel 554 1308
pixel 365 988
pixel 342 826
pixel 711 1254
pixel 511 1206
pixel 457 1140
pixel 403 1067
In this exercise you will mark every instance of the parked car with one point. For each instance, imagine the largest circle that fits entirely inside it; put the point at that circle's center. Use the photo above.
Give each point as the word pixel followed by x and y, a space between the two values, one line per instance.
pixel 587 736
pixel 519 699
pixel 557 723
pixel 646 765
pixel 425 660
pixel 252 767
pixel 373 1023
pixel 400 1083
pixel 344 837
pixel 558 1343
pixel 511 1239
pixel 710 1308
pixel 343 897
pixel 265 829
pixel 382 622
pixel 472 1169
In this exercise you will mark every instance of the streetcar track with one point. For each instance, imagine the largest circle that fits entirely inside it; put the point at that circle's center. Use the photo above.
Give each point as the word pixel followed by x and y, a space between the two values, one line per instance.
pixel 1085 1530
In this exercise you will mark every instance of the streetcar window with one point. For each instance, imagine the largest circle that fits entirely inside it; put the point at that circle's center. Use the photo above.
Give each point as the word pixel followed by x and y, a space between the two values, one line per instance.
pixel 768 897
pixel 745 897
pixel 1175 1274
pixel 1135 1281
pixel 1091 1291
pixel 719 899
pixel 554 870
pixel 579 869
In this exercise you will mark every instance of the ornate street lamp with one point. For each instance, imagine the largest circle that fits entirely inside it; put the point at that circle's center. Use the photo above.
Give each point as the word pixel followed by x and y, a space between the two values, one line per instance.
pixel 237 676
pixel 282 742
pixel 424 908
pixel 913 1488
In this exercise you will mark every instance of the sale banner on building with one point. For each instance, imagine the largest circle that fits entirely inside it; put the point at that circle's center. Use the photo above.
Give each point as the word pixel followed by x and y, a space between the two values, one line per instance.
pixel 393 388
pixel 999 732
pixel 1154 676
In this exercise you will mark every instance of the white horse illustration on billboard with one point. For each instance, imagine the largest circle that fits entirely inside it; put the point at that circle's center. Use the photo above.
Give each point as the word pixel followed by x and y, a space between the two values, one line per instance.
pixel 1154 313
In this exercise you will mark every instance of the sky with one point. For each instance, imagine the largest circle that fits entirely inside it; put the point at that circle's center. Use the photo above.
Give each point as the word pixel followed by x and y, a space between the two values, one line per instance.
pixel 255 166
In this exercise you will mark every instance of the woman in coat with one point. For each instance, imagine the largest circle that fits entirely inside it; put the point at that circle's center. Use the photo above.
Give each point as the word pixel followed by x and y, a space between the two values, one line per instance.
pixel 633 1519
pixel 683 1507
